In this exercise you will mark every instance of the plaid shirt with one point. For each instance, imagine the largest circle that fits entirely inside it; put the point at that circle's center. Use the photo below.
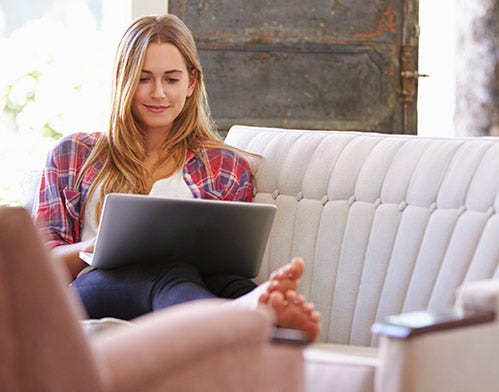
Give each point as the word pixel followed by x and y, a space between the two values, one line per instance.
pixel 59 205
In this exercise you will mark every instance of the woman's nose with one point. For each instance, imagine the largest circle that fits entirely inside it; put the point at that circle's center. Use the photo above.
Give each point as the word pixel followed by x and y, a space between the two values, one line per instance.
pixel 158 91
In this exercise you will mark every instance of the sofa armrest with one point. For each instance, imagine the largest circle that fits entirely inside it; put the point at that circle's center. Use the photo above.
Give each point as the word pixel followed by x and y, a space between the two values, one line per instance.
pixel 456 354
pixel 408 325
pixel 336 367
pixel 204 345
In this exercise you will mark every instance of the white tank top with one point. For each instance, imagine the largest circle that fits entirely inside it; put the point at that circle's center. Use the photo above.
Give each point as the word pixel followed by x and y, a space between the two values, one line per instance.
pixel 173 187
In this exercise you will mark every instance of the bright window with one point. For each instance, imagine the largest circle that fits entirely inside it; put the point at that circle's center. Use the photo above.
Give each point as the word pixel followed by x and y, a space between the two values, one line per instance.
pixel 55 66
pixel 56 76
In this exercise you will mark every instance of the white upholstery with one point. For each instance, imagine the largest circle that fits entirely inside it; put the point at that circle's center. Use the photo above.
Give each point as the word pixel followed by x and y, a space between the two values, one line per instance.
pixel 458 360
pixel 386 224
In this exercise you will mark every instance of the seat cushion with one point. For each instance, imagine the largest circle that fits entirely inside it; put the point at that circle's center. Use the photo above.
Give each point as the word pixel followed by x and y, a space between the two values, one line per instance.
pixel 334 367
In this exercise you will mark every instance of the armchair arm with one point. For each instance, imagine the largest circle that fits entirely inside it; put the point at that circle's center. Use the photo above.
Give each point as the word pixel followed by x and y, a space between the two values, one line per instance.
pixel 204 345
pixel 457 353
pixel 335 367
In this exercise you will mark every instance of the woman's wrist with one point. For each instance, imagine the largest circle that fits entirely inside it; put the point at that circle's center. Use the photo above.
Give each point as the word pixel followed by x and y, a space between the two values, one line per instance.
pixel 69 255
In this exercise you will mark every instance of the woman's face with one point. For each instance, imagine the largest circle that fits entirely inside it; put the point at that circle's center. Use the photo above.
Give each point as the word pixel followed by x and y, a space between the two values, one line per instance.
pixel 165 83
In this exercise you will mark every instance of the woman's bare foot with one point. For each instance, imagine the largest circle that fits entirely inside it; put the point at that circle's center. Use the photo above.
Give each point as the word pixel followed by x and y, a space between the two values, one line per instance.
pixel 286 278
pixel 279 292
pixel 292 311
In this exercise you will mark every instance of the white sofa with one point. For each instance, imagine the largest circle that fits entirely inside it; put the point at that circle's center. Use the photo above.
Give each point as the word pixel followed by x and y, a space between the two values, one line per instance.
pixel 386 224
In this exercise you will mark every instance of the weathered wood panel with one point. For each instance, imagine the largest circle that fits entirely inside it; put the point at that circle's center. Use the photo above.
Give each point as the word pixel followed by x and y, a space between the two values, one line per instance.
pixel 318 64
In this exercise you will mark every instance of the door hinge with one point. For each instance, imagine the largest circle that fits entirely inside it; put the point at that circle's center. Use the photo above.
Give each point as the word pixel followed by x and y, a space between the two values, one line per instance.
pixel 408 72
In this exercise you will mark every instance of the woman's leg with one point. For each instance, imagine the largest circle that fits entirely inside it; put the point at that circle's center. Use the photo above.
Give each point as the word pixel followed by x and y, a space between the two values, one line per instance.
pixel 181 283
pixel 228 286
pixel 134 290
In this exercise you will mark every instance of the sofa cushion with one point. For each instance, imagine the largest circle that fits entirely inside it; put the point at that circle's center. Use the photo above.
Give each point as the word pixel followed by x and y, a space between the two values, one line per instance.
pixel 386 223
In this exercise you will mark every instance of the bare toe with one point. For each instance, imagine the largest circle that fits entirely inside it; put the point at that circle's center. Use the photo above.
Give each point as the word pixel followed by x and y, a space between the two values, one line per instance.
pixel 292 296
pixel 277 301
pixel 264 298
pixel 300 300
pixel 292 312
pixel 286 278
pixel 293 270
pixel 309 307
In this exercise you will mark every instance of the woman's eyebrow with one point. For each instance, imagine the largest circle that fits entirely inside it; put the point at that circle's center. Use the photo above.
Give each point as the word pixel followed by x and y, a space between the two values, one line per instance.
pixel 166 72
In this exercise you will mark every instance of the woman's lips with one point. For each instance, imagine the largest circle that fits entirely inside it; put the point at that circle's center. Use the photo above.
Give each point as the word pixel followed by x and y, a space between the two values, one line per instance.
pixel 156 108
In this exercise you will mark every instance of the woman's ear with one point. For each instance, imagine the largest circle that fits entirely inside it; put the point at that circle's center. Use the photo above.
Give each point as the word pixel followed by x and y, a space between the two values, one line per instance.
pixel 193 77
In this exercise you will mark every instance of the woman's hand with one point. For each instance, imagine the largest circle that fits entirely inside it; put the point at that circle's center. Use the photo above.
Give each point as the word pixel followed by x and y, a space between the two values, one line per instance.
pixel 69 255
pixel 90 246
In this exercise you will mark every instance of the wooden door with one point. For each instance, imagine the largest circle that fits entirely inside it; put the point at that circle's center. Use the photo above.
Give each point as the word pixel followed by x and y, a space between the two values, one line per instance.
pixel 338 64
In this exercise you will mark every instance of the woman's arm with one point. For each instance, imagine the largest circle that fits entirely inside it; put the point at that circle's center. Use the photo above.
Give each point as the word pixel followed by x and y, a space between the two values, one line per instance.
pixel 69 255
pixel 59 200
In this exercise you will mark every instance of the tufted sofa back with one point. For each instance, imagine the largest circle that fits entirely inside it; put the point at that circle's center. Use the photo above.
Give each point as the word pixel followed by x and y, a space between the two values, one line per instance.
pixel 386 224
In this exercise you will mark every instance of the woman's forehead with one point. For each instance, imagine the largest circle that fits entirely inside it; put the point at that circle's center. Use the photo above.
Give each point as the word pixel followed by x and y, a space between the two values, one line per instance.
pixel 163 57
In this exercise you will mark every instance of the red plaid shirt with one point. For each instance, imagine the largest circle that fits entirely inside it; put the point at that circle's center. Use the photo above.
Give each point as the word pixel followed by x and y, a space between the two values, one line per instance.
pixel 59 204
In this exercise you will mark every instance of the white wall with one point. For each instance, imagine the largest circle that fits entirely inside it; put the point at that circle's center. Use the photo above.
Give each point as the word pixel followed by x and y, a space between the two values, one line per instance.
pixel 148 7
pixel 117 14
pixel 437 56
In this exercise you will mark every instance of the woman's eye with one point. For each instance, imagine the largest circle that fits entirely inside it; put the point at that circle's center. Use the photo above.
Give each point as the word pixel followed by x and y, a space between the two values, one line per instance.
pixel 143 80
pixel 171 80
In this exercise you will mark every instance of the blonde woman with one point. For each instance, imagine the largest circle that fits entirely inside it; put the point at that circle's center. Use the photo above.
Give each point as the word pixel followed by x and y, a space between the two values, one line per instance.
pixel 160 142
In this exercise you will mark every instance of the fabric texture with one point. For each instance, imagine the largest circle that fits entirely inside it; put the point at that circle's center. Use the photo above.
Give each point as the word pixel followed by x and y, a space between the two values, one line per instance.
pixel 39 329
pixel 385 223
pixel 134 290
pixel 60 198
pixel 458 359
pixel 333 367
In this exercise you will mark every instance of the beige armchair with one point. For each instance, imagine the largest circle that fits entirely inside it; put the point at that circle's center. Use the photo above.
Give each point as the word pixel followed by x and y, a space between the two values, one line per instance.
pixel 203 346
pixel 453 350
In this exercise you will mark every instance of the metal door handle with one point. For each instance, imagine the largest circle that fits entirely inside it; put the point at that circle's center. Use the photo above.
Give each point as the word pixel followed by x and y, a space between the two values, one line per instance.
pixel 412 74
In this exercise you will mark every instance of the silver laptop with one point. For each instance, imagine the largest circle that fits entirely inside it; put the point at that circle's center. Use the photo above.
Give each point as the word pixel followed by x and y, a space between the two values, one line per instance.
pixel 214 236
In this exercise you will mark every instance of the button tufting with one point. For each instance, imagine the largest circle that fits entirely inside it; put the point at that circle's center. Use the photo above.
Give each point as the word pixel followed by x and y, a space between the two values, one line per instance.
pixel 275 194
pixel 324 200
pixel 491 211
pixel 377 203
pixel 403 206
pixel 299 196
pixel 351 201
pixel 433 207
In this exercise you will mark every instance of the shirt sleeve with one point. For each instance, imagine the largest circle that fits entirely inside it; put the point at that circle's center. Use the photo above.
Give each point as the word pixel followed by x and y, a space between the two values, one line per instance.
pixel 237 178
pixel 227 177
pixel 59 200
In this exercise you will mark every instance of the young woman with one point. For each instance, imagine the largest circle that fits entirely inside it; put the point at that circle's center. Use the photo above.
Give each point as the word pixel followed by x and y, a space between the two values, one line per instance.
pixel 161 142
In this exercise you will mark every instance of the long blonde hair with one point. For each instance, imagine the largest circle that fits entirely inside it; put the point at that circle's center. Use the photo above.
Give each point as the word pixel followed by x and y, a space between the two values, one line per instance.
pixel 123 146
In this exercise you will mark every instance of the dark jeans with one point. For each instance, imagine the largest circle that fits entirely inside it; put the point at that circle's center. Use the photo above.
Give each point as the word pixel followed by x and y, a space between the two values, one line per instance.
pixel 134 290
